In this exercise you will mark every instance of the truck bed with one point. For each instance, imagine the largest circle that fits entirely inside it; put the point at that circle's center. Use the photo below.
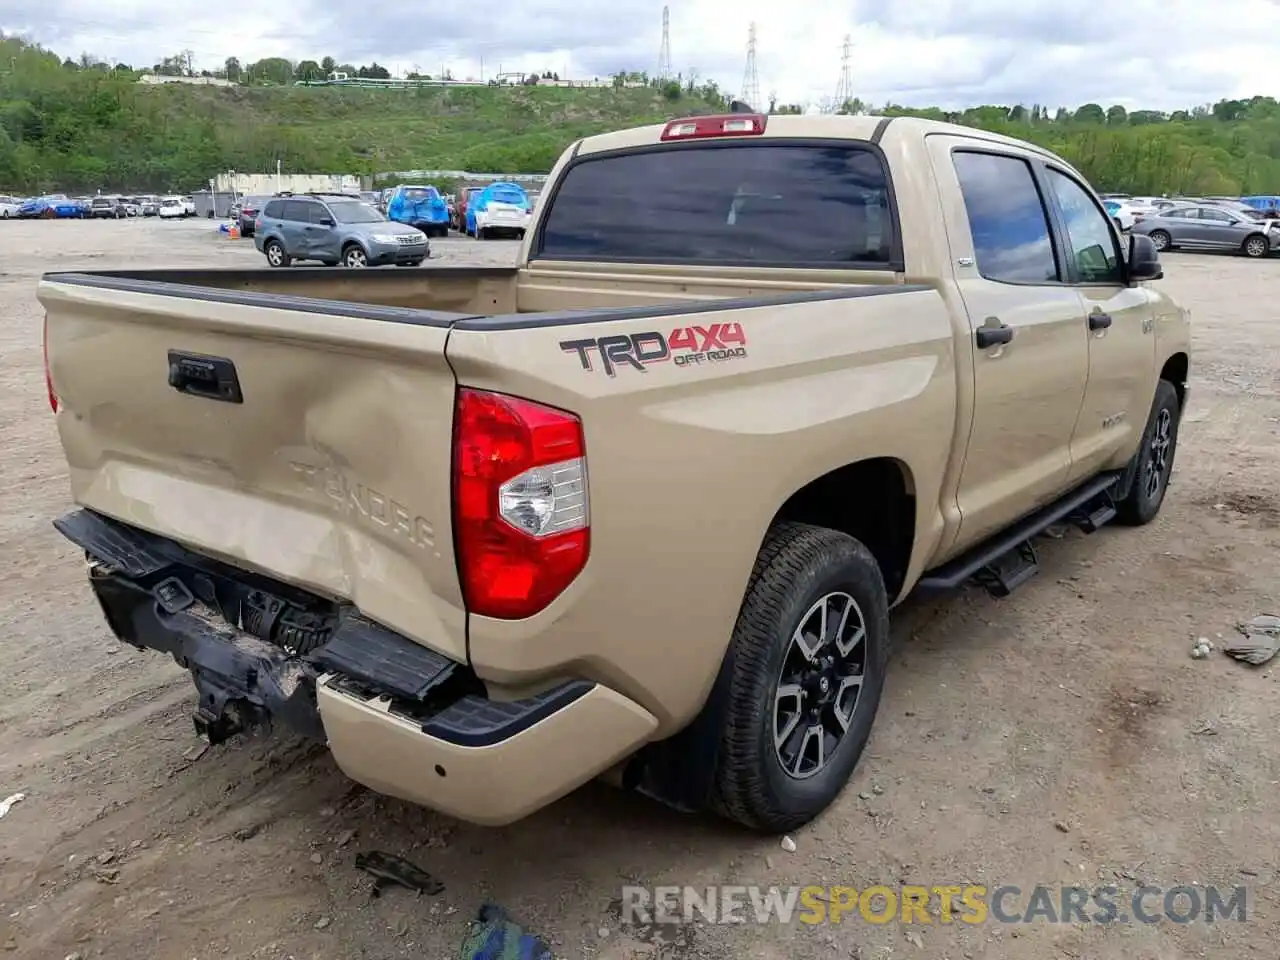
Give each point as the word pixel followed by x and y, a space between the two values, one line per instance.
pixel 476 297
pixel 300 421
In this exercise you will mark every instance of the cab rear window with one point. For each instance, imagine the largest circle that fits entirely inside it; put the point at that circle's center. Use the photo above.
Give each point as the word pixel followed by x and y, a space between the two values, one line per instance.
pixel 763 204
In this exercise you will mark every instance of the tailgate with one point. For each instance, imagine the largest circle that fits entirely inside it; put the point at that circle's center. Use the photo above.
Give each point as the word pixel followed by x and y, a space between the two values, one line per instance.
pixel 331 471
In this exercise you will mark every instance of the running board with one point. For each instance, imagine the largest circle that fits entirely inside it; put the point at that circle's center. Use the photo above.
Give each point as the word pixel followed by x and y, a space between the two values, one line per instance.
pixel 1008 560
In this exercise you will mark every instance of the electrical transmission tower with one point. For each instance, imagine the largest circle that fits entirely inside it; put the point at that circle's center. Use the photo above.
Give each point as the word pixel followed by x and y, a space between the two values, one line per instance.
pixel 844 89
pixel 751 76
pixel 664 55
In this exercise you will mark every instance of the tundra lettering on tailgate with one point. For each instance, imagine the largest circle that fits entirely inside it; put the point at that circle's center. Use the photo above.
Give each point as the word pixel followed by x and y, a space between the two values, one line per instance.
pixel 684 346
pixel 364 503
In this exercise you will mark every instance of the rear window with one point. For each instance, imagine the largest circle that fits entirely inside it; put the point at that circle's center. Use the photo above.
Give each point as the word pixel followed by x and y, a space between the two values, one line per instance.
pixel 785 204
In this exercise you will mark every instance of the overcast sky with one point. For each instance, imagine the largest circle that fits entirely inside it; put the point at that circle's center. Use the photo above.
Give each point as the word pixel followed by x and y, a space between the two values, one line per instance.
pixel 1159 54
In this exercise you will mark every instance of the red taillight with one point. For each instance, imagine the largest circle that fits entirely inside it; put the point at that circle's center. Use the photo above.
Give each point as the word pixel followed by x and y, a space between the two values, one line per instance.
pixel 48 377
pixel 727 125
pixel 520 505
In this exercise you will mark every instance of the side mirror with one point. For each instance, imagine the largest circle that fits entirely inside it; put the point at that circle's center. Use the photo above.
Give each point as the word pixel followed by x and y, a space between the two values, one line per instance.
pixel 1144 259
pixel 326 222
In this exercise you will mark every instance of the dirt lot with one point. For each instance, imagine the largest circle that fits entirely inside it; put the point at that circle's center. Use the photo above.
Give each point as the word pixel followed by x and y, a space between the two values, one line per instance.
pixel 1061 736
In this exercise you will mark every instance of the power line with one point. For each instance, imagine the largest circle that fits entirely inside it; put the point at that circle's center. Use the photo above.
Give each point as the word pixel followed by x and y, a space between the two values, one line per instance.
pixel 751 75
pixel 664 53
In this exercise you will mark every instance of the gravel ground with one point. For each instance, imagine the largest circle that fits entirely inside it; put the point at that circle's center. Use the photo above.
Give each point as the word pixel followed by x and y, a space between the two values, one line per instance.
pixel 1061 736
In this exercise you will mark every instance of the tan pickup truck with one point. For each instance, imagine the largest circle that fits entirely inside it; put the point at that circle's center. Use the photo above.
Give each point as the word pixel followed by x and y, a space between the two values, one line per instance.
pixel 638 506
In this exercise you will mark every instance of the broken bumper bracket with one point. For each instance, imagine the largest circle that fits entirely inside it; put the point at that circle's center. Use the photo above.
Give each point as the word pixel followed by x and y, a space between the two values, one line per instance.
pixel 243 682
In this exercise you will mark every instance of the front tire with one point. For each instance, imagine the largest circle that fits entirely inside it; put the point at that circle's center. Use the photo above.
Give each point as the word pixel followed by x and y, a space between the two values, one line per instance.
pixel 1162 240
pixel 274 252
pixel 1256 246
pixel 808 658
pixel 354 257
pixel 1153 462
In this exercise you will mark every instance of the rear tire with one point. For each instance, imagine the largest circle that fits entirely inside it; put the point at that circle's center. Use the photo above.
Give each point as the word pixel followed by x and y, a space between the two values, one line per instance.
pixel 773 773
pixel 1153 463
pixel 274 252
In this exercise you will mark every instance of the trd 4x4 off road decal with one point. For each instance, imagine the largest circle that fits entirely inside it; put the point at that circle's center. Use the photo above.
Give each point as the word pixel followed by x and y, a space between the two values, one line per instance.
pixel 684 346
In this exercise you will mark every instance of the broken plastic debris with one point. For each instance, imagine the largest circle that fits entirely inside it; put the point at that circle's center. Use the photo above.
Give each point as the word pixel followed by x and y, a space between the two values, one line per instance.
pixel 7 803
pixel 788 845
pixel 389 870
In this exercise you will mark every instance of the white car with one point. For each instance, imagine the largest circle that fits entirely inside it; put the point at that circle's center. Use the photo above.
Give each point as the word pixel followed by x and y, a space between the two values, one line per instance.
pixel 499 217
pixel 188 205
pixel 172 208
pixel 1128 211
pixel 9 207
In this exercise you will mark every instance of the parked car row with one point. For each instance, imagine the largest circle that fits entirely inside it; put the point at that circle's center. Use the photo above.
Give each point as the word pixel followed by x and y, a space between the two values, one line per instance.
pixel 59 206
pixel 499 209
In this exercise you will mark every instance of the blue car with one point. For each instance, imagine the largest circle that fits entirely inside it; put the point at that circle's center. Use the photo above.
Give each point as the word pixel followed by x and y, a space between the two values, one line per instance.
pixel 54 206
pixel 500 208
pixel 1267 205
pixel 420 207
pixel 40 207
pixel 71 209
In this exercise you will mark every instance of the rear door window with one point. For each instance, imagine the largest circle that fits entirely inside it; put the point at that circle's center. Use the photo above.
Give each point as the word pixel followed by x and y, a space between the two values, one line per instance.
pixel 783 204
pixel 298 210
pixel 1007 218
pixel 274 210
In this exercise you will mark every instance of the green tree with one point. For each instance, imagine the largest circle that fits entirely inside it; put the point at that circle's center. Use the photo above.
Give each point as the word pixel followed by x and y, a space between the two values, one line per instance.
pixel 275 70
pixel 1090 113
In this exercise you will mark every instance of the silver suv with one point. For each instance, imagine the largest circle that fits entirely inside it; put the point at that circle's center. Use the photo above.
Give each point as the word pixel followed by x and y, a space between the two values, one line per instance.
pixel 334 229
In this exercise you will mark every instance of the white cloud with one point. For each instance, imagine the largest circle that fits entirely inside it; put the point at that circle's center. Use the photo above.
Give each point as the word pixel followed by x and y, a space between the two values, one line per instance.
pixel 1160 54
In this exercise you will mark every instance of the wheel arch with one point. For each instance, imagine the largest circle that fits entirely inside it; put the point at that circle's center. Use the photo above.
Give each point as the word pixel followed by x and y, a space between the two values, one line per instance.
pixel 1175 370
pixel 872 500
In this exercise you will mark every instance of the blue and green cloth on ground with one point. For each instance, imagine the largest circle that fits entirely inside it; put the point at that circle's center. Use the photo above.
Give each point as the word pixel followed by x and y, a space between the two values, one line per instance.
pixel 494 936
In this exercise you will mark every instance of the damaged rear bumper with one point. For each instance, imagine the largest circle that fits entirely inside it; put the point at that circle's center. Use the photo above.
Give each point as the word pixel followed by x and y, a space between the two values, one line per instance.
pixel 399 717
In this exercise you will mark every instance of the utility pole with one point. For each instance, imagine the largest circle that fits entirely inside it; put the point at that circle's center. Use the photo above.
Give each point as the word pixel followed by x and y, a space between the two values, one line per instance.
pixel 664 52
pixel 844 88
pixel 751 75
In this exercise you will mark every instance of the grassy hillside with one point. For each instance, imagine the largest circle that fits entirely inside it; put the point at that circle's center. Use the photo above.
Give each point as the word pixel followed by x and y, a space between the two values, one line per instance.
pixel 73 128
pixel 84 126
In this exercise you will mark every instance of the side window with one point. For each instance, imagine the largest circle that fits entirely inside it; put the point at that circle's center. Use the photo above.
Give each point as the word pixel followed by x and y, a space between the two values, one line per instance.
pixel 318 212
pixel 274 209
pixel 1093 245
pixel 1220 216
pixel 296 210
pixel 1007 219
